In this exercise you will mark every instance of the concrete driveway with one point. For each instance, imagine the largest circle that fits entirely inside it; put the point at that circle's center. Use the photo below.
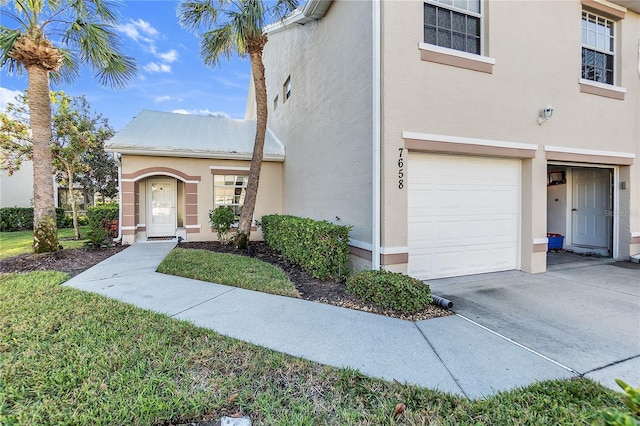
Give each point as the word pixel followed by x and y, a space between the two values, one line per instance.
pixel 584 316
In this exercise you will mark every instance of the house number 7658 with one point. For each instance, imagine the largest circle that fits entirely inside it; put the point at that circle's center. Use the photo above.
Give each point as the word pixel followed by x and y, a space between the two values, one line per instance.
pixel 400 169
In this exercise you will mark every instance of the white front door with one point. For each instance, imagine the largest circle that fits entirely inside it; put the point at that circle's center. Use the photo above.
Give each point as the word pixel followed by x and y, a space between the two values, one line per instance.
pixel 161 220
pixel 591 208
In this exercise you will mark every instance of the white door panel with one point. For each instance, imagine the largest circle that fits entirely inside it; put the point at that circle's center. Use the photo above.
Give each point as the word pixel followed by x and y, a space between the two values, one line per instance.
pixel 162 208
pixel 463 215
pixel 591 221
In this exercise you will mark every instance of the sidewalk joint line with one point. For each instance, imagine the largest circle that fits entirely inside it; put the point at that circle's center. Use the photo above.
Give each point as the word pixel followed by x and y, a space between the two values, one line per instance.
pixel 203 302
pixel 611 364
pixel 442 361
pixel 571 370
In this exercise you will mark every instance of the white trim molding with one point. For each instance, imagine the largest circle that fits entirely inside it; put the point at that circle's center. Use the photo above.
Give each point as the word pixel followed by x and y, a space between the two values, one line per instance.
pixel 541 240
pixel 360 245
pixel 468 141
pixel 228 168
pixel 603 86
pixel 635 234
pixel 128 228
pixel 458 53
pixel 567 150
pixel 394 250
pixel 193 226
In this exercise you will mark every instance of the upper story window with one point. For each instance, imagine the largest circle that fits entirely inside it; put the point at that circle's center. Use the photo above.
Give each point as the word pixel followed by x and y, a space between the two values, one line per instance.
pixel 598 55
pixel 454 24
pixel 286 89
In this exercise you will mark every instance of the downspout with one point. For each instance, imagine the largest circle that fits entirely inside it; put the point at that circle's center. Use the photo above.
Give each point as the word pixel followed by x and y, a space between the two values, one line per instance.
pixel 376 9
pixel 118 158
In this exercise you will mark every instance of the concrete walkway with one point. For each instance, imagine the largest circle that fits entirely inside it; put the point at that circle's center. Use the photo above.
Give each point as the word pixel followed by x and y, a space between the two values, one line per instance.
pixel 452 354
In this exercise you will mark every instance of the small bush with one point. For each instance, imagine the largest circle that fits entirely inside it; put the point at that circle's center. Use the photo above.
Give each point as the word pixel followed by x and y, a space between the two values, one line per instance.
pixel 221 220
pixel 390 290
pixel 320 247
pixel 21 218
pixel 101 217
pixel 98 238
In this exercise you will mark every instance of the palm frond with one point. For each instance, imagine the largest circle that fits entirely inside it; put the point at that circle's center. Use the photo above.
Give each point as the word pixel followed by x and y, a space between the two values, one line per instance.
pixel 217 43
pixel 283 8
pixel 197 14
pixel 98 47
pixel 8 38
pixel 69 70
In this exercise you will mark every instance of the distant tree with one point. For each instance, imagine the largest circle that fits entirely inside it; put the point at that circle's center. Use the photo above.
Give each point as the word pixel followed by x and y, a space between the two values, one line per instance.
pixel 15 143
pixel 50 39
pixel 78 137
pixel 102 174
pixel 78 133
pixel 237 26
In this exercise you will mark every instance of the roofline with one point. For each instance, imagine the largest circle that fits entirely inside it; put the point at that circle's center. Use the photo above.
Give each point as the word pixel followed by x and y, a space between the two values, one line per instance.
pixel 192 154
pixel 312 11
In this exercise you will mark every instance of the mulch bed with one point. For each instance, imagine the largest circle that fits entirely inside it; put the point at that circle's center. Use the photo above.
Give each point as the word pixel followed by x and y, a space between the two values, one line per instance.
pixel 310 288
pixel 74 261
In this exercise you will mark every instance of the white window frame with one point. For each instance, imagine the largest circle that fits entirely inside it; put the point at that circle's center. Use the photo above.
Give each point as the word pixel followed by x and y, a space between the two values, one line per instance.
pixel 236 175
pixel 479 15
pixel 595 48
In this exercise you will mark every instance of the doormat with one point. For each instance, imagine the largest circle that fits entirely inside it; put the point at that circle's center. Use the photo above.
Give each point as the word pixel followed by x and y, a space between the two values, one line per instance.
pixel 160 238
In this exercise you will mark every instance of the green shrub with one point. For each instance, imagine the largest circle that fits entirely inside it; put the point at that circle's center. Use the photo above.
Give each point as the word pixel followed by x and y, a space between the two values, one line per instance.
pixel 320 247
pixel 98 238
pixel 221 220
pixel 21 218
pixel 390 290
pixel 100 217
pixel 631 416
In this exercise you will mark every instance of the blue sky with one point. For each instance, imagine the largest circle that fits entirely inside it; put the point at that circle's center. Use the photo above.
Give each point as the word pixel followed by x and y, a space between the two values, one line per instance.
pixel 171 76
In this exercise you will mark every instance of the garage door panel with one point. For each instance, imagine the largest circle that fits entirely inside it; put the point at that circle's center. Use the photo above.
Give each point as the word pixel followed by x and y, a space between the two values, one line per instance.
pixel 463 215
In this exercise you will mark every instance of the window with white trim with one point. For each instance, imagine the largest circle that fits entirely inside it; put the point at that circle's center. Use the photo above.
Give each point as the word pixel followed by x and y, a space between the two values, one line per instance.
pixel 229 191
pixel 454 24
pixel 598 53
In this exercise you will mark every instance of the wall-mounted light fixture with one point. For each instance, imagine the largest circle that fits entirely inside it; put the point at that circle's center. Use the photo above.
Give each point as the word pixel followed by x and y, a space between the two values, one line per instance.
pixel 545 114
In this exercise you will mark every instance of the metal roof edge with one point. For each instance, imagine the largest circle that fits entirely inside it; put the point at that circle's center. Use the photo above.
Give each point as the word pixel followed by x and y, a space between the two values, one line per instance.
pixel 191 154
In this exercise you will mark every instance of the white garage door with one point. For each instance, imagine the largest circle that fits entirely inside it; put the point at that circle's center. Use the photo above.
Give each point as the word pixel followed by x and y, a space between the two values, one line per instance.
pixel 463 215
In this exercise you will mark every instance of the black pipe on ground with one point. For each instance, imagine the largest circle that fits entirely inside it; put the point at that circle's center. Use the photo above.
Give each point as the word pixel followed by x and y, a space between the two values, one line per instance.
pixel 441 301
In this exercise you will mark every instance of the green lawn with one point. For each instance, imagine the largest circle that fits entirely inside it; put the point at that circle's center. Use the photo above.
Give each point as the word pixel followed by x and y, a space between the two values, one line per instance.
pixel 71 357
pixel 20 242
pixel 229 269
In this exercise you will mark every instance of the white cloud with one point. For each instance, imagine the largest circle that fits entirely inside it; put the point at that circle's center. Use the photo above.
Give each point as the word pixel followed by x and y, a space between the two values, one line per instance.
pixel 166 98
pixel 229 83
pixel 202 112
pixel 139 30
pixel 170 56
pixel 156 67
pixel 7 96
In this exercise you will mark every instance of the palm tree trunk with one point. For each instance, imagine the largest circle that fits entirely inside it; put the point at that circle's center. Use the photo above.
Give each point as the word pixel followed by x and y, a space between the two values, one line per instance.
pixel 45 231
pixel 257 69
pixel 74 207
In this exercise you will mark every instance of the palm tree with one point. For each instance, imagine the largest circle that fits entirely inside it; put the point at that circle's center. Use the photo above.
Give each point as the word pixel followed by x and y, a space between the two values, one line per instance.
pixel 50 39
pixel 237 26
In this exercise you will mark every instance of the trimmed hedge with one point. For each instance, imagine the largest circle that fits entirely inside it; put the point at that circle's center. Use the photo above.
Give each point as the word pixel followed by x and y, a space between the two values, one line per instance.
pixel 390 290
pixel 320 247
pixel 99 217
pixel 21 218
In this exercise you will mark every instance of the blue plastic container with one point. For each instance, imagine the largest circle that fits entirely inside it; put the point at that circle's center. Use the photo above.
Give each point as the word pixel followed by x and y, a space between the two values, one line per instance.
pixel 556 241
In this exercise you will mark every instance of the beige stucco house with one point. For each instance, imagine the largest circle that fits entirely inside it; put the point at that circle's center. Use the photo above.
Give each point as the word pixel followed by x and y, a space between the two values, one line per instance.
pixel 455 135
pixel 175 168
